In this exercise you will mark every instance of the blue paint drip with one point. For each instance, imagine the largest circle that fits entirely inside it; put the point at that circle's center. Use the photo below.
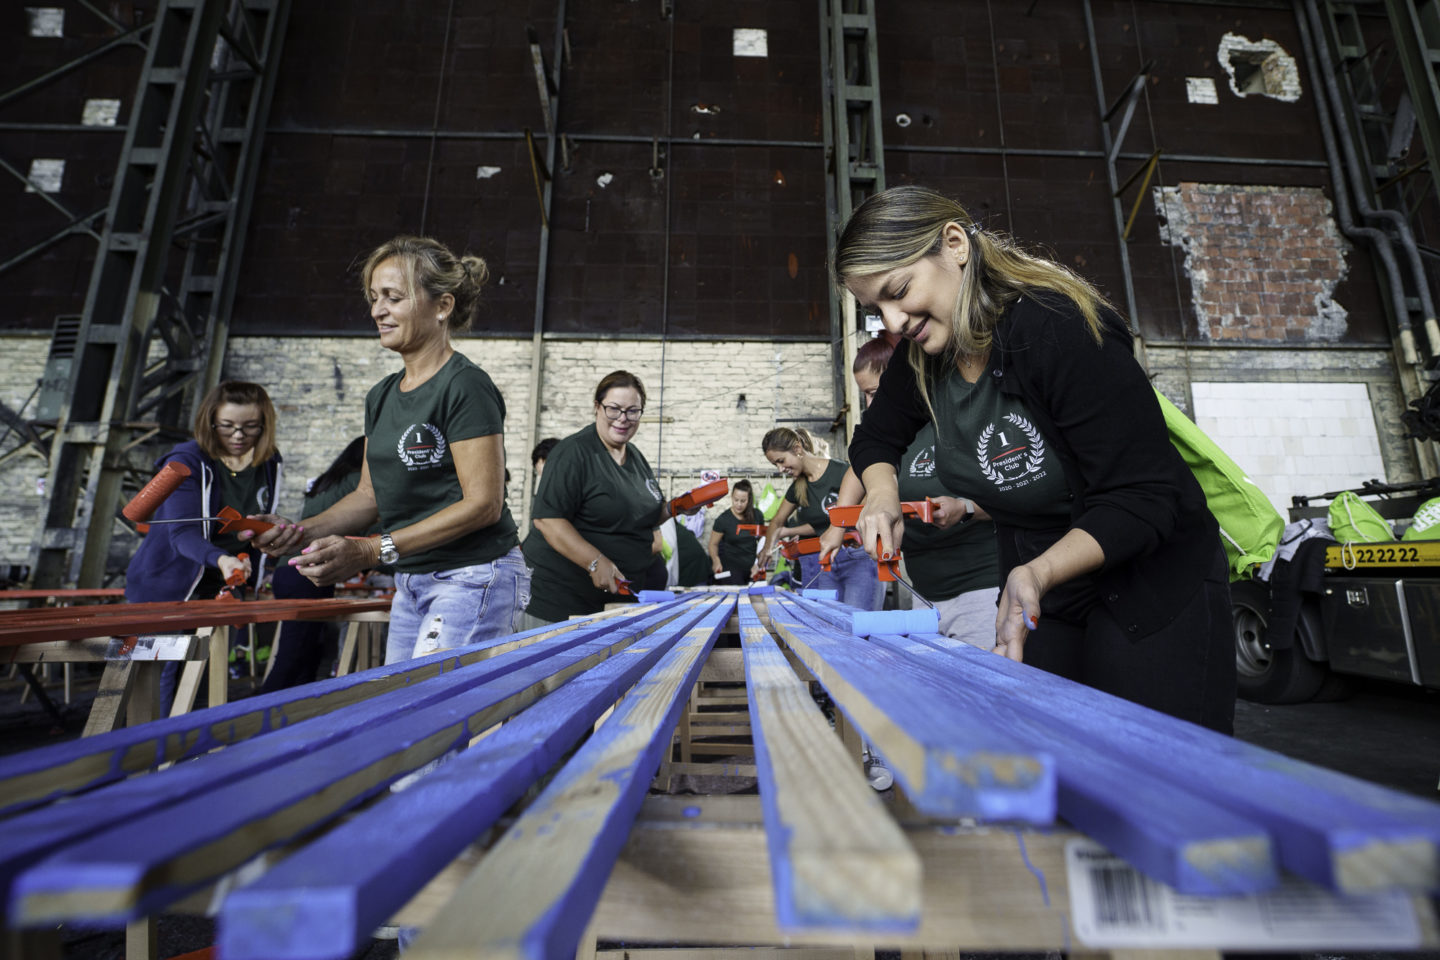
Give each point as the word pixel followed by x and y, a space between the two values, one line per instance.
pixel 691 812
pixel 1025 856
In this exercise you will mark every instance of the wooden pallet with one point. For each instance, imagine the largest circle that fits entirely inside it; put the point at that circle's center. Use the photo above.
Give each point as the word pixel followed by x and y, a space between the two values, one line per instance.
pixel 536 827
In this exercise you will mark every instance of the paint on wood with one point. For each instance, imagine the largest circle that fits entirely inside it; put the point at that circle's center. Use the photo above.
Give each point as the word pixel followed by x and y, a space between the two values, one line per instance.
pixel 837 859
pixel 324 901
pixel 533 893
pixel 1342 833
pixel 1167 832
pixel 951 764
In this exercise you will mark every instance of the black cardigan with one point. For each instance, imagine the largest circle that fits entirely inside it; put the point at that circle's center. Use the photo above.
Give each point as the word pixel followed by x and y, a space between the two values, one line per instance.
pixel 1094 404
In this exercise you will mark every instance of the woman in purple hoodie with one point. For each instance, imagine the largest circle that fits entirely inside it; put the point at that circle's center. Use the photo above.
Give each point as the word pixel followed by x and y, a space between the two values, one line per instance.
pixel 233 462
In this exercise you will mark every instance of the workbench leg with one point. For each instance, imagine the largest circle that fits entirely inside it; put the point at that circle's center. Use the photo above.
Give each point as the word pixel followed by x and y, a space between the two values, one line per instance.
pixel 110 699
pixel 141 941
pixel 144 704
pixel 850 737
pixel 685 728
pixel 274 652
pixel 67 669
pixel 346 662
pixel 219 666
pixel 192 674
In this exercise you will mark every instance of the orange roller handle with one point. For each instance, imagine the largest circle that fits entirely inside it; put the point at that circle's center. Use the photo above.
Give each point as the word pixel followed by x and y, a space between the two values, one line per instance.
pixel 143 505
pixel 235 522
pixel 753 529
pixel 701 496
pixel 849 517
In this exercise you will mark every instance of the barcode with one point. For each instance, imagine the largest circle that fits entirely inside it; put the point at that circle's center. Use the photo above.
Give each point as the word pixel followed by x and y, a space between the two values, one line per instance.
pixel 1122 898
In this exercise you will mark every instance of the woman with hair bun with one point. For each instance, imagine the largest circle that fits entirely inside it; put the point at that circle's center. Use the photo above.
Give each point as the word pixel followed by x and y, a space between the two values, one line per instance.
pixel 434 472
pixel 814 490
pixel 595 513
pixel 1111 565
pixel 732 553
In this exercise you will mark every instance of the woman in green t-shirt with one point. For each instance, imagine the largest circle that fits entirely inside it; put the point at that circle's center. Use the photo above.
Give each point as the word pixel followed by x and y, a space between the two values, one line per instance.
pixel 815 489
pixel 592 526
pixel 434 472
pixel 733 552
pixel 952 562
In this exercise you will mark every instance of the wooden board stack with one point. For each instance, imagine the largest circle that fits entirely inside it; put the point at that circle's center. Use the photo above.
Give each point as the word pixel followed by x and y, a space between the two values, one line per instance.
pixel 502 797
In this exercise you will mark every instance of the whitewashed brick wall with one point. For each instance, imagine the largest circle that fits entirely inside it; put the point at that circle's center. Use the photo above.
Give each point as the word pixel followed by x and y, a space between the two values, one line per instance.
pixel 1294 438
pixel 21 475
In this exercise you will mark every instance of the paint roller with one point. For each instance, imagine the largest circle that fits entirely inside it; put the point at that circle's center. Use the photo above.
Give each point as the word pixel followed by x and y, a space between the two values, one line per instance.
pixel 143 505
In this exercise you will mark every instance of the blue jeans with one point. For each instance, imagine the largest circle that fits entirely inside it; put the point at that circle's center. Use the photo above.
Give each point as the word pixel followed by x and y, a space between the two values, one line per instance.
pixel 458 607
pixel 852 575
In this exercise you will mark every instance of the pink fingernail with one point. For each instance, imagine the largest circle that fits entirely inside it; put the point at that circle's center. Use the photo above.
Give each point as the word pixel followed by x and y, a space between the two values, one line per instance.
pixel 308 549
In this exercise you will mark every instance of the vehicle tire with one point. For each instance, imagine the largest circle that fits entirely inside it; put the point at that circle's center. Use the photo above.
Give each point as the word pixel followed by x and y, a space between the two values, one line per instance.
pixel 1266 674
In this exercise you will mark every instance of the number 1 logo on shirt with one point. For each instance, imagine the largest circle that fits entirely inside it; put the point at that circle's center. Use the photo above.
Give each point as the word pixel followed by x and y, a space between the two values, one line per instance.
pixel 421 446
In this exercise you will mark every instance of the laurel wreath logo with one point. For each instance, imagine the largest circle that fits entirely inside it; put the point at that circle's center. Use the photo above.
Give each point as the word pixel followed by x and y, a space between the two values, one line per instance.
pixel 1034 456
pixel 433 458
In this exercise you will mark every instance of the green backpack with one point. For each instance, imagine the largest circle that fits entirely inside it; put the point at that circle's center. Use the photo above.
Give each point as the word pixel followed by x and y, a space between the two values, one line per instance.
pixel 1352 520
pixel 1426 524
pixel 1250 526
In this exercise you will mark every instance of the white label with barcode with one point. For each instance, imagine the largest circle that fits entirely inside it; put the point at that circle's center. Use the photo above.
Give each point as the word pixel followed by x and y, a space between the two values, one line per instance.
pixel 1114 905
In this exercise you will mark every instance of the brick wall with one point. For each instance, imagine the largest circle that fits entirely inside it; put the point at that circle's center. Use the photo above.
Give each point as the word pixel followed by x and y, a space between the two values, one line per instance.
pixel 22 475
pixel 1263 262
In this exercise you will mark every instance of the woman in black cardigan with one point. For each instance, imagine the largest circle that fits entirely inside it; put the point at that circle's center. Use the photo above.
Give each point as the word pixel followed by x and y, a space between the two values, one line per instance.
pixel 1112 567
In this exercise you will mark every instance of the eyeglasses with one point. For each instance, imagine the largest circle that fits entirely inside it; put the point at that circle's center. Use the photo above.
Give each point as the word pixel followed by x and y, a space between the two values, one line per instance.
pixel 252 429
pixel 613 412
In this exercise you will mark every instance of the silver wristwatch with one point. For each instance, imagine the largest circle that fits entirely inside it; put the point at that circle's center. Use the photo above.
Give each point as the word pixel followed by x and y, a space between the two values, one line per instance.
pixel 594 563
pixel 388 553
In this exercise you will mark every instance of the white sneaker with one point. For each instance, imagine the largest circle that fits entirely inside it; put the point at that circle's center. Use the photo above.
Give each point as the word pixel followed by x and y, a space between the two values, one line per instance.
pixel 877 773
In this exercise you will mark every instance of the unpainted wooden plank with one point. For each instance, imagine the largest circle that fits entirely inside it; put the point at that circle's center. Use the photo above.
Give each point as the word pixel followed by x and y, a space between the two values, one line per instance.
pixel 950 764
pixel 1337 831
pixel 532 895
pixel 324 900
pixel 110 699
pixel 837 858
pixel 1164 830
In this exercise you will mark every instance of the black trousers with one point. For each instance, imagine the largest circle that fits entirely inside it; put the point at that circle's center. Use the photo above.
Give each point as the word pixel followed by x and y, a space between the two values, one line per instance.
pixel 1186 669
pixel 302 642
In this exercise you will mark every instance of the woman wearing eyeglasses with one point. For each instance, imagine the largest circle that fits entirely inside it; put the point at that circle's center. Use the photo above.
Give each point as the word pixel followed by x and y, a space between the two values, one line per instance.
pixel 595 512
pixel 434 472
pixel 233 462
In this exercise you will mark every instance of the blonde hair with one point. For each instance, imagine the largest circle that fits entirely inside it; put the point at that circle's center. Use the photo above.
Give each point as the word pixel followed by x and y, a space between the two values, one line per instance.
pixel 903 225
pixel 785 440
pixel 429 266
pixel 241 393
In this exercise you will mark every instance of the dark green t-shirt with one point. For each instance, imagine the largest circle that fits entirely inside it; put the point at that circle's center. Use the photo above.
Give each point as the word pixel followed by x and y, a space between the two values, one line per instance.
pixel 247 492
pixel 989 448
pixel 942 563
pixel 737 550
pixel 694 560
pixel 412 468
pixel 822 494
pixel 614 506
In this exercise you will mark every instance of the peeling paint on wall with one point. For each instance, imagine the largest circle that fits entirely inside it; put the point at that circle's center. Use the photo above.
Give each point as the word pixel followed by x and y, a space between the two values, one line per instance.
pixel 1263 262
pixel 1259 67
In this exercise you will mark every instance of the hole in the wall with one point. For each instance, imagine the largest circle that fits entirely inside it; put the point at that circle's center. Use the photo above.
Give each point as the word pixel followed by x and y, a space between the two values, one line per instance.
pixel 1259 67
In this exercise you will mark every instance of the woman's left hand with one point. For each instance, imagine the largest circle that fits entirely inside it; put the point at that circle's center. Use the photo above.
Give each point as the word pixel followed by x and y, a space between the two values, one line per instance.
pixel 948 511
pixel 1019 611
pixel 333 559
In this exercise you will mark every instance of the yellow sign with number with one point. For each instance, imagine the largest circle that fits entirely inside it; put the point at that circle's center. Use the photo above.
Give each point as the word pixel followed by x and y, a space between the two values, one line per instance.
pixel 1415 553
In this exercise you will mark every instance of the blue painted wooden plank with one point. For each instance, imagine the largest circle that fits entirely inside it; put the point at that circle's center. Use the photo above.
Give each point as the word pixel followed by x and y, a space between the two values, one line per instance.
pixel 34 834
pixel 863 623
pixel 38 776
pixel 952 763
pixel 324 900
pixel 761 589
pixel 816 593
pixel 1163 829
pixel 1334 830
pixel 534 892
pixel 149 861
pixel 837 859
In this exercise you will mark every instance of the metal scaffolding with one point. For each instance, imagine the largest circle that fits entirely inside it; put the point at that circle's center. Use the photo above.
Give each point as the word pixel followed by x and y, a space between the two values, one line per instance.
pixel 854 160
pixel 153 333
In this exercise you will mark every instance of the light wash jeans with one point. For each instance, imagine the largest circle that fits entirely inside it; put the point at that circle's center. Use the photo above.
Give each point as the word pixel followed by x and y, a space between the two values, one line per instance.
pixel 458 607
pixel 852 575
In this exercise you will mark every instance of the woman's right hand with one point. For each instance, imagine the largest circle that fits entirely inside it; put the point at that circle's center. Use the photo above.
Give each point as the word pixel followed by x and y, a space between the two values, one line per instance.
pixel 881 524
pixel 228 565
pixel 831 540
pixel 282 538
pixel 605 575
